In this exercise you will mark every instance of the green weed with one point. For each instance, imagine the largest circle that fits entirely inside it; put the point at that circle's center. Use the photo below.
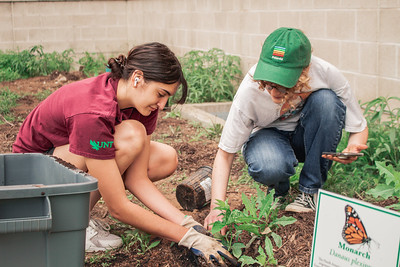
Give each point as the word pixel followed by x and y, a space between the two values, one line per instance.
pixel 92 64
pixel 215 131
pixel 211 133
pixel 212 75
pixel 142 239
pixel 8 100
pixel 172 114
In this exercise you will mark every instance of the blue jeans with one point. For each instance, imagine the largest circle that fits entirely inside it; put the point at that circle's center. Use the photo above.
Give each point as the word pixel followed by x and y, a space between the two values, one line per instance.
pixel 272 154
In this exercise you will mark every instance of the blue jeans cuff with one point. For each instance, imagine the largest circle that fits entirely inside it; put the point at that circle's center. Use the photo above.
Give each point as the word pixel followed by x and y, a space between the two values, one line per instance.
pixel 308 190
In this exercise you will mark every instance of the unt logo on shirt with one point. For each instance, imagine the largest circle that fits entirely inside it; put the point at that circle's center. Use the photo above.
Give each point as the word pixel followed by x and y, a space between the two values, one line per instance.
pixel 97 145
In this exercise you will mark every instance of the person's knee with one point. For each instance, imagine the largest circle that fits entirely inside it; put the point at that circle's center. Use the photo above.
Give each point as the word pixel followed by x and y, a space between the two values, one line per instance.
pixel 170 160
pixel 325 105
pixel 163 161
pixel 269 173
pixel 130 136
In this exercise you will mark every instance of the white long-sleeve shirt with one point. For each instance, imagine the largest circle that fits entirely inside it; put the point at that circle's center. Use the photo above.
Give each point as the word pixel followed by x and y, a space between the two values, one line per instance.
pixel 253 109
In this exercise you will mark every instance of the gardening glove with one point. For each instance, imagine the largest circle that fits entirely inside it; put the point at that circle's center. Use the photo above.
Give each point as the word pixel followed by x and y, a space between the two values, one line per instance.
pixel 210 249
pixel 189 222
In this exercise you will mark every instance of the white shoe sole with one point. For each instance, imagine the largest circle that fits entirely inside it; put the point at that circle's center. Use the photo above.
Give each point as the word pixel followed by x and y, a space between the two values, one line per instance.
pixel 294 208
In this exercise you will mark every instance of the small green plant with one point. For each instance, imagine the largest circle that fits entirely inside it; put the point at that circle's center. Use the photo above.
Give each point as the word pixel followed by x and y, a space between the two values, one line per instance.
pixel 212 75
pixel 176 132
pixel 33 62
pixel 172 114
pixel 259 219
pixel 92 64
pixel 215 131
pixel 142 239
pixel 8 100
pixel 211 133
pixel 391 187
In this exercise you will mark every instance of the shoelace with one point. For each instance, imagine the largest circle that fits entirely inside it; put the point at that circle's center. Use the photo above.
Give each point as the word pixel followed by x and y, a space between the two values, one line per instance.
pixel 306 199
pixel 101 225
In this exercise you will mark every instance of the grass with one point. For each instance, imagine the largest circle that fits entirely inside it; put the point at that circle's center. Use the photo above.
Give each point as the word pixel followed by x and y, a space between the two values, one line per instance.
pixel 8 100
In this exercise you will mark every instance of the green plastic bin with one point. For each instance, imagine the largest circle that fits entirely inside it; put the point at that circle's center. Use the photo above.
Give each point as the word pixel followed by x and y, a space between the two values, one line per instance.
pixel 44 211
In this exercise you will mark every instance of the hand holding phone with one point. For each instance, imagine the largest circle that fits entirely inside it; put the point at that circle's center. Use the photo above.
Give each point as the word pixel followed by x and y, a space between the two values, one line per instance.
pixel 343 155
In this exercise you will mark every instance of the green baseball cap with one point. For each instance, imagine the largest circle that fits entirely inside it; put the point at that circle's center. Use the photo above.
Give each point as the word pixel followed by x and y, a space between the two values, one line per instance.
pixel 285 53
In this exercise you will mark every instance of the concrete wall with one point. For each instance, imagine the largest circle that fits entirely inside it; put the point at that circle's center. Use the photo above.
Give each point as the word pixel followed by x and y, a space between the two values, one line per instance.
pixel 361 37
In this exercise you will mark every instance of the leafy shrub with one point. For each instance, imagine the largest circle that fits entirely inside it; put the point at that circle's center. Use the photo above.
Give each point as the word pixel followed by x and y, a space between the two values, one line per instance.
pixel 92 64
pixel 33 62
pixel 212 75
pixel 383 146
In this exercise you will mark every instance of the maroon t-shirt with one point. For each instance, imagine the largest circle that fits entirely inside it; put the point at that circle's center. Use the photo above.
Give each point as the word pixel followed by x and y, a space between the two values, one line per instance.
pixel 82 114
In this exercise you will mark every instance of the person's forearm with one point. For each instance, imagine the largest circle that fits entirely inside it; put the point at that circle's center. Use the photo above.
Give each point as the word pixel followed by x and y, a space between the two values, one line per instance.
pixel 358 138
pixel 220 176
pixel 112 189
pixel 150 196
pixel 148 222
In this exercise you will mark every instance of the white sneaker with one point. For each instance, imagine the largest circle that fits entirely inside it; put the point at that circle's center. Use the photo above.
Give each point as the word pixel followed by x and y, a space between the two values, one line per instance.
pixel 303 203
pixel 99 239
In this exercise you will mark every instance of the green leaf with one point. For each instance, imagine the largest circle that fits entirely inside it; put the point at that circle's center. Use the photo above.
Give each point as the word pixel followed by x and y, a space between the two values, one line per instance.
pixel 262 258
pixel 388 171
pixel 381 190
pixel 217 227
pixel 246 260
pixel 394 206
pixel 277 239
pixel 266 205
pixel 250 207
pixel 154 244
pixel 237 249
pixel 284 220
pixel 269 247
pixel 252 228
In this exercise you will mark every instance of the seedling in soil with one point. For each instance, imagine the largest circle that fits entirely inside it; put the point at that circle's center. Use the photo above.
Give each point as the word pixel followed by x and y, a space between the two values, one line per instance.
pixel 143 240
pixel 259 219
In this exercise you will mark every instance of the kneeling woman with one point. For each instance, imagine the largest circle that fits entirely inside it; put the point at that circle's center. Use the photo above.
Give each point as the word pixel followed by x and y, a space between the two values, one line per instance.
pixel 103 125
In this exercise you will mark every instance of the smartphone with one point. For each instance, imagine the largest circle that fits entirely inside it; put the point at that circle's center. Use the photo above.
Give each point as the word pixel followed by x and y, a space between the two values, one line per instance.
pixel 343 155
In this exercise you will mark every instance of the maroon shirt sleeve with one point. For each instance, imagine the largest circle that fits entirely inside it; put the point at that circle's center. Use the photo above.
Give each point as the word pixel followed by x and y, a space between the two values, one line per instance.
pixel 91 136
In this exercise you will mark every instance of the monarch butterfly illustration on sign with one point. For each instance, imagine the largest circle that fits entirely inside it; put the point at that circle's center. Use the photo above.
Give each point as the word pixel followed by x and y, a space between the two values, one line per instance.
pixel 354 231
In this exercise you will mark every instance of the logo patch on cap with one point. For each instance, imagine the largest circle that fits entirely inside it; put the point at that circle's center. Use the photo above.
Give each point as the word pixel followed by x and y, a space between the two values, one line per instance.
pixel 278 52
